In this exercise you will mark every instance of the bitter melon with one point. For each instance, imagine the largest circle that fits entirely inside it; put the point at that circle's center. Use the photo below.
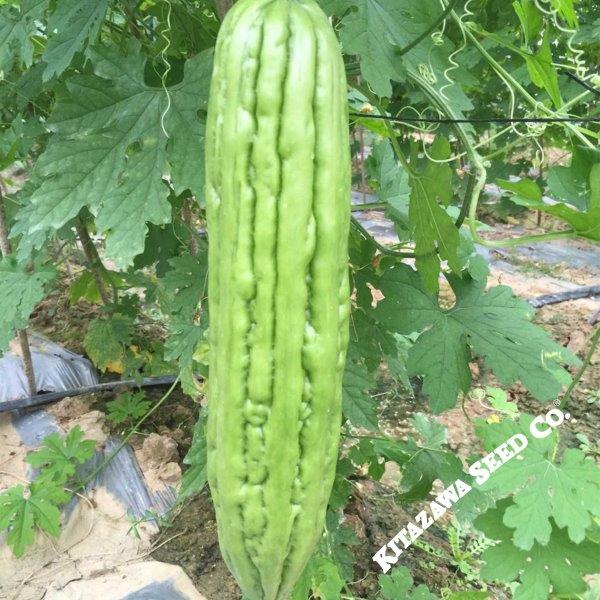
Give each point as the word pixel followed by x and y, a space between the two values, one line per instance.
pixel 277 196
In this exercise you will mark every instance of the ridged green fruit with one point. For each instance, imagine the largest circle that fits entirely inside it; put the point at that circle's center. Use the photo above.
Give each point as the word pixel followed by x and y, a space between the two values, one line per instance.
pixel 278 209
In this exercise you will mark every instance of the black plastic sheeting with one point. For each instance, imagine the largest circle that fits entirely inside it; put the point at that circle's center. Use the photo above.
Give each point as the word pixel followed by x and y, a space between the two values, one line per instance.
pixel 60 370
pixel 56 369
pixel 161 590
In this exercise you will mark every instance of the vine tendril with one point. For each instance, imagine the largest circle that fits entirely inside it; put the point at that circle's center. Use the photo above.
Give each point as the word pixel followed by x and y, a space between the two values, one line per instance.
pixel 163 78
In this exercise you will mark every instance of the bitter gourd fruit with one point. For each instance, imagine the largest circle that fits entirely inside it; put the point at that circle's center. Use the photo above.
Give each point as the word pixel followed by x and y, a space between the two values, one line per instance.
pixel 277 196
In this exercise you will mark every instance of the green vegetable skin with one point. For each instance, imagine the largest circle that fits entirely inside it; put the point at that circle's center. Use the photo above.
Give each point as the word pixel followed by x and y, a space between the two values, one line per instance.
pixel 278 193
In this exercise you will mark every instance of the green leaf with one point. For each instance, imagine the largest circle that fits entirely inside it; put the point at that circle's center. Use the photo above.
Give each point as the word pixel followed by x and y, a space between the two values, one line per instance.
pixel 98 120
pixel 184 286
pixel 530 18
pixel 16 29
pixel 436 237
pixel 21 289
pixel 586 224
pixel 567 493
pixel 556 567
pixel 183 341
pixel 427 459
pixel 391 178
pixel 321 577
pixel 85 287
pixel 374 344
pixel 542 71
pixel 194 477
pixel 494 324
pixel 107 338
pixel 594 201
pixel 127 406
pixel 363 454
pixel 22 509
pixel 525 188
pixel 566 9
pixel 391 182
pixel 498 399
pixel 58 456
pixel 442 353
pixel 398 585
pixel 375 31
pixel 573 184
pixel 358 406
pixel 141 192
pixel 340 493
pixel 338 542
pixel 73 23
pixel 186 128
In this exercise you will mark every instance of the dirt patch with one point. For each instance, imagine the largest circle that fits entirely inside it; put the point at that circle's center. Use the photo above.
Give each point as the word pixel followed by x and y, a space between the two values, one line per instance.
pixel 159 460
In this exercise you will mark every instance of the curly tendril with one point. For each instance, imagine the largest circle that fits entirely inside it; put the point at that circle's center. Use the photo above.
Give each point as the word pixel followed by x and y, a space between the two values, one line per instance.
pixel 163 78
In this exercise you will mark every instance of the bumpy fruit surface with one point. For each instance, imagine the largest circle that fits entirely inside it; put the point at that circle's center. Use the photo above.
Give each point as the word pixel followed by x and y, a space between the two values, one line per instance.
pixel 278 194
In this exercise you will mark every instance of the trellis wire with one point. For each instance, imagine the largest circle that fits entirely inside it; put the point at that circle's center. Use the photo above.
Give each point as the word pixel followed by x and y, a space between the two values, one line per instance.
pixel 480 120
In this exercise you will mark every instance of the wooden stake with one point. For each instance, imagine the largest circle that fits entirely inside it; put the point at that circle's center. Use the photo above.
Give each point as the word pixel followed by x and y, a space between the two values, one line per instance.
pixel 6 249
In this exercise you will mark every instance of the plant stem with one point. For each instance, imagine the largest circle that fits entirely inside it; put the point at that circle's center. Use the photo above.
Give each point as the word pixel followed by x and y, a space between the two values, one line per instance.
pixel 430 29
pixel 502 150
pixel 594 340
pixel 368 206
pixel 4 241
pixel 94 261
pixel 223 7
pixel 187 217
pixel 6 249
pixel 383 249
pixel 464 208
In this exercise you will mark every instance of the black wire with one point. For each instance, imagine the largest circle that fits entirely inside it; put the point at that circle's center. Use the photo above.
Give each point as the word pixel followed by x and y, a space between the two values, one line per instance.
pixel 49 398
pixel 582 83
pixel 482 120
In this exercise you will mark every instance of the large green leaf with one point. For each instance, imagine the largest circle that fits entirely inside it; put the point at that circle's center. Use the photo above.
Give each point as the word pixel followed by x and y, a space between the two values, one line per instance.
pixel 141 191
pixel 194 477
pixel 59 456
pixel 556 567
pixel 375 31
pixel 23 509
pixel 184 286
pixel 399 584
pixel 359 407
pixel 494 324
pixel 578 183
pixel 436 237
pixel 186 129
pixel 542 71
pixel 72 24
pixel 89 161
pixel 543 488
